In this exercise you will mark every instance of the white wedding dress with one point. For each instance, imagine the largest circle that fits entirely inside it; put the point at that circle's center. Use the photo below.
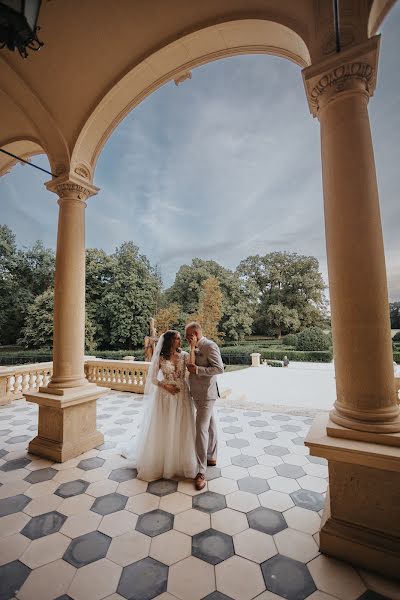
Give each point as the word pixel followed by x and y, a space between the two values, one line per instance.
pixel 165 444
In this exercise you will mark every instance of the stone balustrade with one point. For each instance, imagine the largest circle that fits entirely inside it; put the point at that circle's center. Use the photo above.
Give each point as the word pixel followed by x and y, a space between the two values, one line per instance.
pixel 16 381
pixel 122 375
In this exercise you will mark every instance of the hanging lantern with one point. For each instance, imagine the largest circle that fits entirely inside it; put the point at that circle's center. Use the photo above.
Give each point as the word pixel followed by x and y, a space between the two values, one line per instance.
pixel 18 25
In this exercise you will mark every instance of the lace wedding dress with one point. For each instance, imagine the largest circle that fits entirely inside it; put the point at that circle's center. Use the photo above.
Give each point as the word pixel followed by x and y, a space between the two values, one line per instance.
pixel 165 444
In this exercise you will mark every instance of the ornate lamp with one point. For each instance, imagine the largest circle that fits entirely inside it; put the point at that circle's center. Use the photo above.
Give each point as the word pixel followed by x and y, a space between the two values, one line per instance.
pixel 18 29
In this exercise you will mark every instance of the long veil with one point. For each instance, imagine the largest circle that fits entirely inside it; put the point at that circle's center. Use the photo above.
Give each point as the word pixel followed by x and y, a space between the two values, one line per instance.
pixel 136 448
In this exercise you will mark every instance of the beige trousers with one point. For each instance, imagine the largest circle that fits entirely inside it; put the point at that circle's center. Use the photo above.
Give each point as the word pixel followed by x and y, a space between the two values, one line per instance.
pixel 206 433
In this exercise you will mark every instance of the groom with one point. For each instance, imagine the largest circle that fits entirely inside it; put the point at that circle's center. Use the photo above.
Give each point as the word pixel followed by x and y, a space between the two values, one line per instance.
pixel 204 390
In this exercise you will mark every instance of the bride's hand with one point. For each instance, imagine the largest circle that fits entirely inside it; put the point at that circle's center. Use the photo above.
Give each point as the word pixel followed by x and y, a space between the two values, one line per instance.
pixel 171 388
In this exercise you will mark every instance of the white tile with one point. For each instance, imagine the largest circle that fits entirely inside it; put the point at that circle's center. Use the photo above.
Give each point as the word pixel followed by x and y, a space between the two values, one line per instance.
pixel 337 578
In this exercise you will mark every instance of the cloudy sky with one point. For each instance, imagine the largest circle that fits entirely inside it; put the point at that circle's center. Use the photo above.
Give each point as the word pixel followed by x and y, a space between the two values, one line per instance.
pixel 223 166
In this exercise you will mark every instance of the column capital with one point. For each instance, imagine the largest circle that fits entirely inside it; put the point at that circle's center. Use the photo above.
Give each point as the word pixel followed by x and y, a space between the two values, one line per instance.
pixel 352 69
pixel 73 187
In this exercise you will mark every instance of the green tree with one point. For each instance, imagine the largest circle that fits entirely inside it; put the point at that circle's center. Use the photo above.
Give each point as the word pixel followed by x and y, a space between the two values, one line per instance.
pixel 288 279
pixel 24 275
pixel 210 309
pixel 394 308
pixel 99 273
pixel 130 297
pixel 313 339
pixel 238 302
pixel 168 317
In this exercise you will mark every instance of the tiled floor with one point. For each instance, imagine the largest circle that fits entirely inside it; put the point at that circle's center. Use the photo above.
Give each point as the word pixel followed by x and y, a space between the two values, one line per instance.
pixel 89 529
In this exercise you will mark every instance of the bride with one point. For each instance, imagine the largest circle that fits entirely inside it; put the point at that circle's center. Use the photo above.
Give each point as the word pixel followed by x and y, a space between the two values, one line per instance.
pixel 165 444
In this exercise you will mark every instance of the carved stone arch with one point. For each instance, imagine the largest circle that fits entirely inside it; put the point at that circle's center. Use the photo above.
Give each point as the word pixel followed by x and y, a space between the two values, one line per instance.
pixel 47 133
pixel 174 61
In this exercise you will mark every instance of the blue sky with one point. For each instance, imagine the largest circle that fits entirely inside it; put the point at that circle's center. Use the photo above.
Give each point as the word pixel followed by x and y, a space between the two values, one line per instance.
pixel 223 166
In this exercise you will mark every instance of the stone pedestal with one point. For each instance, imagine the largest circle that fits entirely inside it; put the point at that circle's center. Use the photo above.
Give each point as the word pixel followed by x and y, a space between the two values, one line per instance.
pixel 255 359
pixel 361 521
pixel 67 422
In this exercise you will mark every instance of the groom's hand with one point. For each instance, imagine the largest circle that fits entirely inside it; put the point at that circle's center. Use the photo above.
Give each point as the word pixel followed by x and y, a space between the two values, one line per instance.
pixel 191 368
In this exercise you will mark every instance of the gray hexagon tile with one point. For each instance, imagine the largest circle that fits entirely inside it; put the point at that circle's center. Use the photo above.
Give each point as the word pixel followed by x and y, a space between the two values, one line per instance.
pixel 291 471
pixel 162 487
pixel 237 443
pixel 244 461
pixel 91 463
pixel 123 474
pixel 308 499
pixel 266 520
pixel 266 435
pixel 143 580
pixel 12 576
pixel 288 578
pixel 41 475
pixel 13 504
pixel 13 465
pixel 72 488
pixel 209 502
pixel 212 546
pixel 43 525
pixel 87 548
pixel 276 450
pixel 232 429
pixel 110 503
pixel 155 522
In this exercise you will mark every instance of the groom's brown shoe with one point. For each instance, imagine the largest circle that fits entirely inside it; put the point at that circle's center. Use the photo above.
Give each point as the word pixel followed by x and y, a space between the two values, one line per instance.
pixel 211 463
pixel 200 481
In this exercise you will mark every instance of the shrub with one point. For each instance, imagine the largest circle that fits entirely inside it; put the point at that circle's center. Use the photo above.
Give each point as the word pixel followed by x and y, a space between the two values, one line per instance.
pixel 396 337
pixel 396 357
pixel 312 339
pixel 290 340
pixel 299 356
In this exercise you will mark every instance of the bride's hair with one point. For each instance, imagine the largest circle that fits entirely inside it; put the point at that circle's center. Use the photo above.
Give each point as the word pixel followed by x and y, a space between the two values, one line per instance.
pixel 169 338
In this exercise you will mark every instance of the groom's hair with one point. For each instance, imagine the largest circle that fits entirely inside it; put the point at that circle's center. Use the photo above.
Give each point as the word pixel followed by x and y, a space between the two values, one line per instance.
pixel 193 325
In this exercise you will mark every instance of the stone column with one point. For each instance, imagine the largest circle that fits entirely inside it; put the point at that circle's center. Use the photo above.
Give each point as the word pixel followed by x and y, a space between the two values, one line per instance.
pixel 69 288
pixel 360 439
pixel 338 91
pixel 67 405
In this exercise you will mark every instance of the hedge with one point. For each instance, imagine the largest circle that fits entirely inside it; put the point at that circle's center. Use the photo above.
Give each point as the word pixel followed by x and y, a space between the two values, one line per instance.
pixel 299 356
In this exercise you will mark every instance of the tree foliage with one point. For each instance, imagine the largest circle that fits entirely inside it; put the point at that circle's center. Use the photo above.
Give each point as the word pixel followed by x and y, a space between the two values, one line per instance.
pixel 168 318
pixel 313 338
pixel 394 308
pixel 238 303
pixel 210 309
pixel 290 291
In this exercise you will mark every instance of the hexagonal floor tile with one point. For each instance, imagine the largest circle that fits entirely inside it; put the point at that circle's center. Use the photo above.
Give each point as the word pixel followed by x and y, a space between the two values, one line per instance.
pixel 12 576
pixel 18 439
pixel 308 499
pixel 317 460
pixel 217 596
pixel 237 443
pixel 258 423
pixel 301 519
pixel 223 486
pixel 276 450
pixel 48 582
pixel 191 579
pixel 82 523
pixel 143 580
pixel 209 502
pixel 123 474
pixel 299 441
pixel 280 418
pixel 291 471
pixel 192 521
pixel 244 461
pixel 12 548
pixel 104 505
pixel 232 429
pixel 72 488
pixel 336 577
pixel 296 544
pixel 43 525
pixel 45 550
pixel 175 503
pixel 266 520
pixel 13 504
pixel 212 473
pixel 242 501
pixel 162 487
pixel 254 545
pixel 13 523
pixel 288 578
pixel 155 522
pixel 143 503
pixel 41 475
pixel 238 577
pixel 91 463
pixel 171 547
pixel 276 500
pixel 87 548
pixel 129 548
pixel 118 523
pixel 212 546
pixel 229 521
pixel 132 487
pixel 95 581
pixel 253 485
pixel 266 435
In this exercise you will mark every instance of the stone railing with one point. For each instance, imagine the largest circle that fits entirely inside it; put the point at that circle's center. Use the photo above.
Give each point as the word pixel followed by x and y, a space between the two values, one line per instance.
pixel 122 375
pixel 17 381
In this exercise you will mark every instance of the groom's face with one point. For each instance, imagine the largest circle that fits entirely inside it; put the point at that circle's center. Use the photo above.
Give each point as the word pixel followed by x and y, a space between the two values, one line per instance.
pixel 192 334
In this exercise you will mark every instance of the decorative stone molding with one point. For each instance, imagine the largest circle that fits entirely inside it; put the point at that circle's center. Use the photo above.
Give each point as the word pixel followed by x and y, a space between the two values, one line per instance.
pixel 72 186
pixel 354 68
pixel 82 171
pixel 183 77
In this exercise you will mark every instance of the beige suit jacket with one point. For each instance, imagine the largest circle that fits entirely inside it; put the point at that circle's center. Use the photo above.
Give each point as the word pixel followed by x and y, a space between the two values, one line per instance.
pixel 203 384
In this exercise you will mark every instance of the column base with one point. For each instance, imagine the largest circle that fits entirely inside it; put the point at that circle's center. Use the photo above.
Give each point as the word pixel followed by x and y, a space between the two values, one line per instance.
pixel 361 522
pixel 67 422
